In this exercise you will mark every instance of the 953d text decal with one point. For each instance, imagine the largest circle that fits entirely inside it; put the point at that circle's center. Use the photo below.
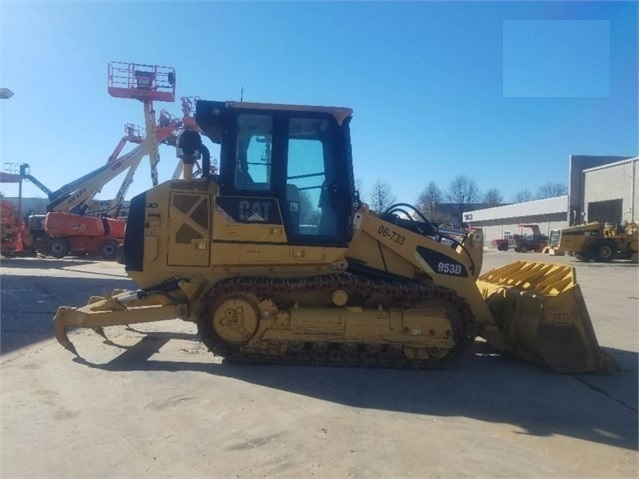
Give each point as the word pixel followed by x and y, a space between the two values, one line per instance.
pixel 442 264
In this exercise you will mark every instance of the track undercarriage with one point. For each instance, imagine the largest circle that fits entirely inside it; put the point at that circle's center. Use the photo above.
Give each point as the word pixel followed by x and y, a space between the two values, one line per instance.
pixel 336 319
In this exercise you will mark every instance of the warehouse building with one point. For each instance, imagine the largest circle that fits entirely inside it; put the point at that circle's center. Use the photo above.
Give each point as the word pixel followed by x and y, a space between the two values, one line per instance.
pixel 610 192
pixel 600 188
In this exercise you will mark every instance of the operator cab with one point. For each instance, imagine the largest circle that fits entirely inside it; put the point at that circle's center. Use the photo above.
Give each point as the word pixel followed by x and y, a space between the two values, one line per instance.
pixel 284 165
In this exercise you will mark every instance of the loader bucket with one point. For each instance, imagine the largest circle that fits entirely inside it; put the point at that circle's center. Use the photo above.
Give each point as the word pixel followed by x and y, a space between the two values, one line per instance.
pixel 540 312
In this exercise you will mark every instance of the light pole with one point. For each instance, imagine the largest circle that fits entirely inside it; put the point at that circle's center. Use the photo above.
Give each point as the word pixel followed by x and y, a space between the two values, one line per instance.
pixel 5 94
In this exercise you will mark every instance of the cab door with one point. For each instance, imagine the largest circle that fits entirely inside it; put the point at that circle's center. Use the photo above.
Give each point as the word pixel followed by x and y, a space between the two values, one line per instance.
pixel 294 159
pixel 314 183
pixel 189 229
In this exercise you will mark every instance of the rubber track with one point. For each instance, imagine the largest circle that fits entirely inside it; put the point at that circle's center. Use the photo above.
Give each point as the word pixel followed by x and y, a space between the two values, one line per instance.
pixel 398 294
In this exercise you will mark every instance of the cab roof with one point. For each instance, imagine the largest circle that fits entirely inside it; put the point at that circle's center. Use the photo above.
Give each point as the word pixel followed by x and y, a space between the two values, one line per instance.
pixel 338 112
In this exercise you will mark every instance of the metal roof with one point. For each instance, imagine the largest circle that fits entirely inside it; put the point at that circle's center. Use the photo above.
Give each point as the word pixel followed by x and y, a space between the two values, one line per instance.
pixel 517 210
pixel 612 165
pixel 9 178
pixel 340 113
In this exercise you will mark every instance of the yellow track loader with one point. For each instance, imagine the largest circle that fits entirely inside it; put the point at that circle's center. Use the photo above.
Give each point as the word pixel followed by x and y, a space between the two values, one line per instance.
pixel 278 261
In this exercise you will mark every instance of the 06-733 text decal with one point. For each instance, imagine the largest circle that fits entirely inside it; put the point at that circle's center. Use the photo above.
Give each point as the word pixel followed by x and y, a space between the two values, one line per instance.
pixel 394 236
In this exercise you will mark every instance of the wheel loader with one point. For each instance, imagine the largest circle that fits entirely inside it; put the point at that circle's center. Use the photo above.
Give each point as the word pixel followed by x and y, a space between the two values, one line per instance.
pixel 601 242
pixel 278 261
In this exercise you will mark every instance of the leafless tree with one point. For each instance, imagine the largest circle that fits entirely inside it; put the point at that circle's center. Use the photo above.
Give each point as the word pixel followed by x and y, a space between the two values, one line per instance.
pixel 429 203
pixel 381 197
pixel 462 193
pixel 429 198
pixel 551 190
pixel 309 213
pixel 522 196
pixel 359 189
pixel 493 197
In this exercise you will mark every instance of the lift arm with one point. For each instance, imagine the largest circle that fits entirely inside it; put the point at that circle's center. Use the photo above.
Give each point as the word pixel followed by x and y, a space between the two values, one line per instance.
pixel 79 192
pixel 25 173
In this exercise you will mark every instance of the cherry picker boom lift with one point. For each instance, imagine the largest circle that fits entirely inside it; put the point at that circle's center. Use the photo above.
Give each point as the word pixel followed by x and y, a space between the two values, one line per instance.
pixel 76 224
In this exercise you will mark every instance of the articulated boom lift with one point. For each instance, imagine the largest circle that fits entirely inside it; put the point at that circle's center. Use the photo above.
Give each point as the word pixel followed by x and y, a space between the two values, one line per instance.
pixel 74 222
pixel 145 83
pixel 90 233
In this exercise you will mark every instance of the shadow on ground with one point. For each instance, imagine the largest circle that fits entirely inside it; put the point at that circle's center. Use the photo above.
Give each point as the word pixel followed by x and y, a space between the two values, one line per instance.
pixel 482 385
pixel 29 303
pixel 45 263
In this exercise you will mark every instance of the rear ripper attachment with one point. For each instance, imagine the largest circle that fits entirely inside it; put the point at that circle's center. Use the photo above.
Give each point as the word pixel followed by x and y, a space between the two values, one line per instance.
pixel 165 301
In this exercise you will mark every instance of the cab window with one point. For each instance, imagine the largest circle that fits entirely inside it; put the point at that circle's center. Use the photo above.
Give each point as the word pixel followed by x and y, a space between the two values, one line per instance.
pixel 309 177
pixel 253 152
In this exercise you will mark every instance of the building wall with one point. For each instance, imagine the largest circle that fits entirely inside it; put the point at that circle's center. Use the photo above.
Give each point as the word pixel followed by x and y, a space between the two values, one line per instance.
pixel 519 210
pixel 548 214
pixel 592 180
pixel 499 228
pixel 577 164
pixel 617 181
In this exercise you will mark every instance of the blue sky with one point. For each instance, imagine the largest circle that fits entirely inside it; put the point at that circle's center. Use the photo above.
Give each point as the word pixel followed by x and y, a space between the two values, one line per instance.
pixel 502 92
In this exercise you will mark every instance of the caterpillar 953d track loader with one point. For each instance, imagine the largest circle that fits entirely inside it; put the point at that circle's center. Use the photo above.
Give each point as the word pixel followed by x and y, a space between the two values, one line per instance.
pixel 276 260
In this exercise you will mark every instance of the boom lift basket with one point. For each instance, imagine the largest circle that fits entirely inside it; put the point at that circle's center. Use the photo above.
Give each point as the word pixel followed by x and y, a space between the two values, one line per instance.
pixel 142 82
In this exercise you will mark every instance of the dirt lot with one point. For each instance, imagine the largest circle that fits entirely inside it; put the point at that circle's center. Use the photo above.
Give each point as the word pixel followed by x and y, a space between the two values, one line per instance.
pixel 155 403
